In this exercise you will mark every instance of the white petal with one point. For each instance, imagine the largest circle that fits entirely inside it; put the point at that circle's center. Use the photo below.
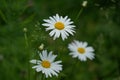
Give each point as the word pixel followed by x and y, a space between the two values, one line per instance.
pixel 50 28
pixel 57 17
pixel 51 57
pixel 82 58
pixel 57 34
pixel 46 24
pixel 70 31
pixel 34 61
pixel 36 66
pixel 89 49
pixel 68 20
pixel 63 35
pixel 57 62
pixel 48 21
pixel 90 55
pixel 43 55
pixel 38 69
pixel 52 19
pixel 53 72
pixel 52 32
pixel 65 18
pixel 85 44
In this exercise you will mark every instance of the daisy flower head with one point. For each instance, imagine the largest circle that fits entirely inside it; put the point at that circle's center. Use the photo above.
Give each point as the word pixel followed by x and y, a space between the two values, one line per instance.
pixel 81 50
pixel 59 26
pixel 46 64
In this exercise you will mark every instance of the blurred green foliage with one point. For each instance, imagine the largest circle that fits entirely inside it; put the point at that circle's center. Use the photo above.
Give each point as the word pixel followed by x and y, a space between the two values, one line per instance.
pixel 98 24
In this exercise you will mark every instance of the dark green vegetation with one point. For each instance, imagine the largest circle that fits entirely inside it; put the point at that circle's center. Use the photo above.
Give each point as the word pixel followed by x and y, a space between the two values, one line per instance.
pixel 98 24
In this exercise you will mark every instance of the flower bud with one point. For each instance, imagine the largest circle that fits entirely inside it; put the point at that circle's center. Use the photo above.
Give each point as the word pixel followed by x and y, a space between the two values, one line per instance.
pixel 25 29
pixel 84 4
pixel 41 46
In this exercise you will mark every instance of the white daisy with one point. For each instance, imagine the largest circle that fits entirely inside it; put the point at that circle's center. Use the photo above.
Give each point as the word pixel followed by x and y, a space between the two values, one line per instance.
pixel 80 50
pixel 59 26
pixel 47 65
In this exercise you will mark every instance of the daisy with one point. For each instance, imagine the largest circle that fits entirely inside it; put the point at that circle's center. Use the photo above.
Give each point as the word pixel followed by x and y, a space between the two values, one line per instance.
pixel 59 26
pixel 81 50
pixel 47 65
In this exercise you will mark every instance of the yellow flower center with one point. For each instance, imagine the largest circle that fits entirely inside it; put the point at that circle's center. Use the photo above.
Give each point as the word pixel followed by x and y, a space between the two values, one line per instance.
pixel 46 64
pixel 81 50
pixel 59 25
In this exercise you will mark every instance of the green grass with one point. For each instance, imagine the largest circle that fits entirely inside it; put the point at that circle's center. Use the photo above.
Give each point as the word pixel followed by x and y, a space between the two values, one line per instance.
pixel 98 24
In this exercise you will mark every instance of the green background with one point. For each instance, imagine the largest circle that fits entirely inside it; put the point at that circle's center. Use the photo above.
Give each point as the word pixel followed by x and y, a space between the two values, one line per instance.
pixel 98 24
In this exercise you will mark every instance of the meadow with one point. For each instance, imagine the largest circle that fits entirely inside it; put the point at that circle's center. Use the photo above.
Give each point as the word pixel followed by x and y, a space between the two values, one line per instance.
pixel 22 33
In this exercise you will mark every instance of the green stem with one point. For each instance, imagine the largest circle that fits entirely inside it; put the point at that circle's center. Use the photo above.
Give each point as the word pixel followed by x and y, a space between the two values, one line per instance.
pixel 26 40
pixel 27 48
pixel 79 13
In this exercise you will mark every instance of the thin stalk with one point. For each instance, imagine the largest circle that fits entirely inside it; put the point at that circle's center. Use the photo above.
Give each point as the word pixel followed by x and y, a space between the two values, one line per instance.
pixel 78 15
pixel 27 48
pixel 26 40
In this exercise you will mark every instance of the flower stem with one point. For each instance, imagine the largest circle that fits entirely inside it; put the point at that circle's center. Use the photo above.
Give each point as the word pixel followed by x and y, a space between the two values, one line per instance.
pixel 27 50
pixel 78 15
pixel 26 40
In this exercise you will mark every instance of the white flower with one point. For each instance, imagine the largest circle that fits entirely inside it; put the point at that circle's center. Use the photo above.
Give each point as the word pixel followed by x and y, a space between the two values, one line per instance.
pixel 47 65
pixel 80 50
pixel 59 26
